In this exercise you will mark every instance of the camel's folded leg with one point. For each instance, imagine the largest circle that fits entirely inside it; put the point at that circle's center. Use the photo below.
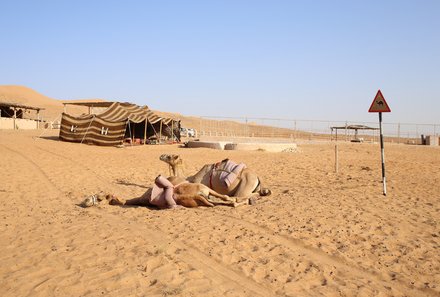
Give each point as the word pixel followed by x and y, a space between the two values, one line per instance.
pixel 113 200
pixel 192 200
pixel 216 201
pixel 248 198
pixel 140 201
pixel 221 196
pixel 232 202
pixel 226 200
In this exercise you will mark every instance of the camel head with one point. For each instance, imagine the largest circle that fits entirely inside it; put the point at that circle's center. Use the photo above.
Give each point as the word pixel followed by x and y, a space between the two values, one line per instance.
pixel 175 164
pixel 171 160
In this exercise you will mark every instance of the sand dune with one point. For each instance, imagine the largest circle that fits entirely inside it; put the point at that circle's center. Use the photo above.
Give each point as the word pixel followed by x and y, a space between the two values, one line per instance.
pixel 319 234
pixel 27 96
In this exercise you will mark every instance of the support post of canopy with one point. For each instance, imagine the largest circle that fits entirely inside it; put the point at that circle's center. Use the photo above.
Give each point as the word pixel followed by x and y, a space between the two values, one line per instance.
pixel 145 131
pixel 132 133
pixel 172 131
pixel 160 132
pixel 346 131
pixel 15 116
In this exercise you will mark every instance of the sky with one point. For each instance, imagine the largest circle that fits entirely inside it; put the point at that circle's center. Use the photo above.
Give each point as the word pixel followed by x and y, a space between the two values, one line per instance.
pixel 321 60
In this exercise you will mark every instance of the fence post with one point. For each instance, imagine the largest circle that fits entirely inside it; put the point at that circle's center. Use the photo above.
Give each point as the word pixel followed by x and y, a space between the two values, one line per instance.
pixel 295 135
pixel 398 133
pixel 346 124
pixel 417 131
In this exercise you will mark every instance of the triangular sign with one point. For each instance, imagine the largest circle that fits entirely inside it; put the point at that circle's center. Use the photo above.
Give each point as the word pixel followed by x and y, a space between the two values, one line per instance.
pixel 379 104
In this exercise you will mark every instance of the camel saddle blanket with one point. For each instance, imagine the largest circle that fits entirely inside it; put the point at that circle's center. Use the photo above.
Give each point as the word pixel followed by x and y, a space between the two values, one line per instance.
pixel 227 171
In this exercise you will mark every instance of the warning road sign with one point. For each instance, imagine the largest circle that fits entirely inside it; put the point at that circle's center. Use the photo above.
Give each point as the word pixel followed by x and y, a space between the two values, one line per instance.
pixel 379 104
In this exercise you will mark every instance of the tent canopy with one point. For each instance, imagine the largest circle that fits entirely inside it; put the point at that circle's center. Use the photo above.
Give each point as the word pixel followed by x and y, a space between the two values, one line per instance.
pixel 117 122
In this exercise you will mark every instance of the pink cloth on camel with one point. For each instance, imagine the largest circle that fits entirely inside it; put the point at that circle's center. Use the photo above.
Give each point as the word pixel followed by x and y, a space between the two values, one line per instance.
pixel 230 172
pixel 162 194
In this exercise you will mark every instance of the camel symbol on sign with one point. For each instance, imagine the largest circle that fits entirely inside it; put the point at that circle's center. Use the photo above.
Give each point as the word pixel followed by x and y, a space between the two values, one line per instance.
pixel 379 104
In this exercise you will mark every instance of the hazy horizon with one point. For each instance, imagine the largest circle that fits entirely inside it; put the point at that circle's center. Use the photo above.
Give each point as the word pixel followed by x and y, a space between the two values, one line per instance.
pixel 258 59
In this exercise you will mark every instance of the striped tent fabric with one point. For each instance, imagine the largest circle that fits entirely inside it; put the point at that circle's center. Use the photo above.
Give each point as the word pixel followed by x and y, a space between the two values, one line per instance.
pixel 109 127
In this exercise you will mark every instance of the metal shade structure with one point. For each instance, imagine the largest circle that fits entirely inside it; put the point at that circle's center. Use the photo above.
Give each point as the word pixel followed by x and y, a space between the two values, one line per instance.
pixel 356 128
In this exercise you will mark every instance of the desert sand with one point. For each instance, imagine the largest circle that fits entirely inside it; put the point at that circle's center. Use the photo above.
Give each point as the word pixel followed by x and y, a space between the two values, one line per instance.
pixel 319 234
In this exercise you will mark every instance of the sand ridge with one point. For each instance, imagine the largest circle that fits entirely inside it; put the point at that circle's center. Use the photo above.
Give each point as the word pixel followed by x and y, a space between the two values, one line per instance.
pixel 320 233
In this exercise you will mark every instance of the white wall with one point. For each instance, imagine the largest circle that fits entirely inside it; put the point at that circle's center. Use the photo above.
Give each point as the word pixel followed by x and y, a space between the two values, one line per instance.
pixel 23 124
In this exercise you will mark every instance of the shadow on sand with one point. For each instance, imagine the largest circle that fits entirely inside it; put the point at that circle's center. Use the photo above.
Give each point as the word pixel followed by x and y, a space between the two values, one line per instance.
pixel 129 203
pixel 53 138
pixel 129 184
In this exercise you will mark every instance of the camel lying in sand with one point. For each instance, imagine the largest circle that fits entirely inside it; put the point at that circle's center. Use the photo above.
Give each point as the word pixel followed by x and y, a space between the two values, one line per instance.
pixel 184 194
pixel 247 183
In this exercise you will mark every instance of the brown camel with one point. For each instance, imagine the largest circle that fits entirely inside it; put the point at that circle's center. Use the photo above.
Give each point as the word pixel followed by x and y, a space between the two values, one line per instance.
pixel 247 183
pixel 185 194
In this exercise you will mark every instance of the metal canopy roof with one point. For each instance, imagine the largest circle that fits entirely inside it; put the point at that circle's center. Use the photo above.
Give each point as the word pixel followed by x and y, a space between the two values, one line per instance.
pixel 354 127
pixel 90 103
pixel 7 104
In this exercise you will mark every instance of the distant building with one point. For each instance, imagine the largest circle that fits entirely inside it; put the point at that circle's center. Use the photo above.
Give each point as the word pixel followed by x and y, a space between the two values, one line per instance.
pixel 16 116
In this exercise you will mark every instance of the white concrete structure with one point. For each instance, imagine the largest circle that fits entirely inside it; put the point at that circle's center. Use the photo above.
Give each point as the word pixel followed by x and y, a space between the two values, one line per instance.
pixel 218 145
pixel 268 147
pixel 18 124
pixel 11 116
pixel 224 145
pixel 432 140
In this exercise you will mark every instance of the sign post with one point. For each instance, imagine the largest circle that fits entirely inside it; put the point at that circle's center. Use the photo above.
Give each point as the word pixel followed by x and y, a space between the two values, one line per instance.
pixel 380 105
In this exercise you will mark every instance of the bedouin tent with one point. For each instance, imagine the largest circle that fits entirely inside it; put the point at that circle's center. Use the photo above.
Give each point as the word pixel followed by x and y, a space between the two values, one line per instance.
pixel 118 122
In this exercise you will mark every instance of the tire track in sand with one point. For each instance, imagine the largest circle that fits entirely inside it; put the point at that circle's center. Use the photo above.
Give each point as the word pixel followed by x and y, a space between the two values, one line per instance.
pixel 36 166
pixel 83 166
pixel 213 269
pixel 218 273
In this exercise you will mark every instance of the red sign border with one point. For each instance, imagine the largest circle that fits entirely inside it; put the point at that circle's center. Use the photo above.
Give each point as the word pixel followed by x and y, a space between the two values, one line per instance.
pixel 372 103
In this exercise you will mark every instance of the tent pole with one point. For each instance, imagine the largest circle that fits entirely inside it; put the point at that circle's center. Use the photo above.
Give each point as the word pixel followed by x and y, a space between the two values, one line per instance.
pixel 154 130
pixel 172 131
pixel 85 134
pixel 179 125
pixel 160 132
pixel 129 130
pixel 132 134
pixel 15 116
pixel 145 130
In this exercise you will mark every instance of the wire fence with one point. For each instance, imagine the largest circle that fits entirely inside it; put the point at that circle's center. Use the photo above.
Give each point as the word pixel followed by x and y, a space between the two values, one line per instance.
pixel 217 126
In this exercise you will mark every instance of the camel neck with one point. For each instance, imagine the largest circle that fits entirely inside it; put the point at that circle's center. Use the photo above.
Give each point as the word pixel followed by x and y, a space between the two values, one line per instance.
pixel 178 171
